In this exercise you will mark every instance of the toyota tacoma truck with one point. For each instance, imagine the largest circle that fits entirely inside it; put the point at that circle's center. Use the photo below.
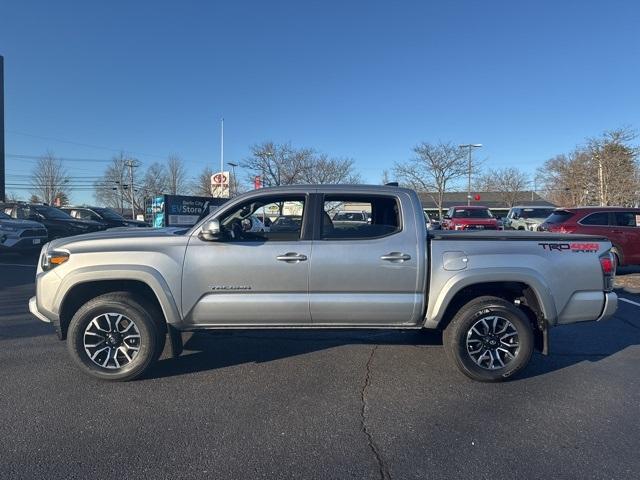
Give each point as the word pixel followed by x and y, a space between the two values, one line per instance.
pixel 118 296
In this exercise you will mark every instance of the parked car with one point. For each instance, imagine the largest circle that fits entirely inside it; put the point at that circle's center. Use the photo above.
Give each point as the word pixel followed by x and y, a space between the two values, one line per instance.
pixel 620 225
pixel 469 217
pixel 286 223
pixel 21 235
pixel 116 296
pixel 106 216
pixel 347 216
pixel 431 224
pixel 58 223
pixel 526 217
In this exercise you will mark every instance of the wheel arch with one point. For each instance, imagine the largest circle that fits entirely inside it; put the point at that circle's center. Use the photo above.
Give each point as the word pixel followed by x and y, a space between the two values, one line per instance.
pixel 80 287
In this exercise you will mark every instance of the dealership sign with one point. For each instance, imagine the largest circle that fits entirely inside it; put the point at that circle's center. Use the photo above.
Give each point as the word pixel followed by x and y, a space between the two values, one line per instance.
pixel 220 184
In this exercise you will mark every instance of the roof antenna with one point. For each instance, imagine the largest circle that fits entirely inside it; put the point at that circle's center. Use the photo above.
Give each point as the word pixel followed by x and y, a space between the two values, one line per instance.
pixel 391 184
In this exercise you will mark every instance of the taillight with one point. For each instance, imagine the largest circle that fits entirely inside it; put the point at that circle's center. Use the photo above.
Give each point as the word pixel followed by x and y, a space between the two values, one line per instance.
pixel 608 265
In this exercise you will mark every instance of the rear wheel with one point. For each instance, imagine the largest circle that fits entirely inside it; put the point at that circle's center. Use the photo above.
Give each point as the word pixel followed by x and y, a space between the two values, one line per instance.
pixel 489 339
pixel 115 336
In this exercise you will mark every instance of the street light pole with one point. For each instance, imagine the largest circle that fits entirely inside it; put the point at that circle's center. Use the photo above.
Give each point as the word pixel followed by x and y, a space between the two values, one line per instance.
pixel 470 146
pixel 233 178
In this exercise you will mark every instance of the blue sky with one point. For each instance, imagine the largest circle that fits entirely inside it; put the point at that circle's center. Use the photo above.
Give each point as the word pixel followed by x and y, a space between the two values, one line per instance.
pixel 366 80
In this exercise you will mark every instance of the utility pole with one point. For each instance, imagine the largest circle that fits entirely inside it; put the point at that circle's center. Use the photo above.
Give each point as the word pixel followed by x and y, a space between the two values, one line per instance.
pixel 470 146
pixel 2 175
pixel 222 145
pixel 132 164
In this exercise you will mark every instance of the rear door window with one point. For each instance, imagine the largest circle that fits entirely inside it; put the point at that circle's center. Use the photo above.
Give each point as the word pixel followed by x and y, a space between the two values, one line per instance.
pixel 378 216
pixel 596 219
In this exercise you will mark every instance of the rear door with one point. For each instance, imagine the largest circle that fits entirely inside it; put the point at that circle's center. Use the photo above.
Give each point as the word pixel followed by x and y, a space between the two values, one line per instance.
pixel 365 273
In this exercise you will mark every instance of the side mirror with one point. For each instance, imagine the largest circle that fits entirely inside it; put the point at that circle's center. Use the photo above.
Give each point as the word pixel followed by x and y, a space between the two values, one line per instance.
pixel 211 231
pixel 446 217
pixel 515 216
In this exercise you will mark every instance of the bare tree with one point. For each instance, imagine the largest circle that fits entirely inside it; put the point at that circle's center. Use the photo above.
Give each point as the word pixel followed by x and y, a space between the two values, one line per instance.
pixel 605 171
pixel 320 169
pixel 567 179
pixel 614 162
pixel 48 178
pixel 113 189
pixel 433 169
pixel 508 182
pixel 277 164
pixel 155 180
pixel 176 175
pixel 201 185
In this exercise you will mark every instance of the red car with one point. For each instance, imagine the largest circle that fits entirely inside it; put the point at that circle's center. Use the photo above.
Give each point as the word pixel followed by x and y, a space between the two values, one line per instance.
pixel 469 218
pixel 620 225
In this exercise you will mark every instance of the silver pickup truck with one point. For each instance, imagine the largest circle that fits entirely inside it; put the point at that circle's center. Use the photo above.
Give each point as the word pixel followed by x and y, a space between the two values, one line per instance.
pixel 116 296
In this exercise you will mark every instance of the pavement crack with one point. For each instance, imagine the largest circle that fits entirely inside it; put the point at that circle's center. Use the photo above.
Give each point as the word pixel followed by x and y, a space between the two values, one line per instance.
pixel 382 468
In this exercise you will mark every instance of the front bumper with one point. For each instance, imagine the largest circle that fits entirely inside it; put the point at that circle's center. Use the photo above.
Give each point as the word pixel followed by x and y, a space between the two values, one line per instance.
pixel 610 306
pixel 33 308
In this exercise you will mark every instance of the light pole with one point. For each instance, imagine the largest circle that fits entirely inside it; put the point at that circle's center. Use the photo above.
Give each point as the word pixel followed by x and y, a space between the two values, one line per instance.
pixel 470 146
pixel 233 178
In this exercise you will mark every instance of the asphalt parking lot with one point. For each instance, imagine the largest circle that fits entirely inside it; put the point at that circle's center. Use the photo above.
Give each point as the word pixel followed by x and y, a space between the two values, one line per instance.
pixel 318 405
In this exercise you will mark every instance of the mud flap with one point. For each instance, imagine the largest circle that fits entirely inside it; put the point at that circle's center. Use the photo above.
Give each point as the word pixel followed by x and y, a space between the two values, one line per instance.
pixel 175 341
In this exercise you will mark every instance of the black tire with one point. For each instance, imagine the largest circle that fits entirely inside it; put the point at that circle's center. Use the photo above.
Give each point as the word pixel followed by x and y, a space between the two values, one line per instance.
pixel 460 341
pixel 148 322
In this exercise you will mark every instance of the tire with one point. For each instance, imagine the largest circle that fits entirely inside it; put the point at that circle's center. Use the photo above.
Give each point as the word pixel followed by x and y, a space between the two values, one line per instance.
pixel 129 333
pixel 467 341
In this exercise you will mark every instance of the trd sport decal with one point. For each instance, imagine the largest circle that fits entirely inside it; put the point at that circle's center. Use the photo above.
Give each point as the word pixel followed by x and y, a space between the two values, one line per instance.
pixel 574 247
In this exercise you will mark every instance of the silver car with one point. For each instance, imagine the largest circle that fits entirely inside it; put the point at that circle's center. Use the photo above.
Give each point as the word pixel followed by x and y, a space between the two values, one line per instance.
pixel 20 235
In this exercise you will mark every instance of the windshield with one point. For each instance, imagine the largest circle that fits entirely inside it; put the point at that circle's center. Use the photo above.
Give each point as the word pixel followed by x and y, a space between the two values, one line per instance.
pixel 472 213
pixel 4 216
pixel 50 212
pixel 536 212
pixel 109 214
pixel 559 216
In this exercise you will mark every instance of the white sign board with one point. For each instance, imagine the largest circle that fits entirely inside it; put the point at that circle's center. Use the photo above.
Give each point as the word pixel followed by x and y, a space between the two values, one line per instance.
pixel 220 184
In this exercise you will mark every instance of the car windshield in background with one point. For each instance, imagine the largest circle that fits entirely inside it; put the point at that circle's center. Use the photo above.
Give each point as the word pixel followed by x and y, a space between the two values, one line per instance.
pixel 559 216
pixel 349 217
pixel 50 212
pixel 536 212
pixel 109 214
pixel 4 216
pixel 472 213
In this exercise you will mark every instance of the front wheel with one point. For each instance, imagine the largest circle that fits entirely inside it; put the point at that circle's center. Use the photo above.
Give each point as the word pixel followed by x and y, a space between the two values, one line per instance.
pixel 489 339
pixel 115 336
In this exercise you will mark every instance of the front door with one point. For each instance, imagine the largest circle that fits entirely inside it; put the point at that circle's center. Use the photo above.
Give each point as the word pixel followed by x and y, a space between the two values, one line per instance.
pixel 365 272
pixel 258 273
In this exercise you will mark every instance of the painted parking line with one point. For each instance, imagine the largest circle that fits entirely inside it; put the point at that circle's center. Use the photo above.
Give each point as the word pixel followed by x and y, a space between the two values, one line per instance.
pixel 629 301
pixel 16 265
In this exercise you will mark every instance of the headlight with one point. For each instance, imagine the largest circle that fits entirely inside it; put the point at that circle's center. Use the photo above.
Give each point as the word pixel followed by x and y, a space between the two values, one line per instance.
pixel 53 259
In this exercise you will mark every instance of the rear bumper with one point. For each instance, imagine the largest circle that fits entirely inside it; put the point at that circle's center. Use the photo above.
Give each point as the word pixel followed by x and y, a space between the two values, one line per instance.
pixel 610 306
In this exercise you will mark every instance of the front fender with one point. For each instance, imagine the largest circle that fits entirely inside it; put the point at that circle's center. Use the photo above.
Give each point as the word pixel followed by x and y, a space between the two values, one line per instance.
pixel 437 306
pixel 148 275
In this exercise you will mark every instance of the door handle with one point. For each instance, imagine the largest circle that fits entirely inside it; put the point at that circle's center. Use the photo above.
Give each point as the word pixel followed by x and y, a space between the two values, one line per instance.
pixel 396 257
pixel 291 257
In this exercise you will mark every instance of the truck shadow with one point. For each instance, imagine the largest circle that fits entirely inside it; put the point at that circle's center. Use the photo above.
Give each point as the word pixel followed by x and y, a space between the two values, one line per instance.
pixel 570 345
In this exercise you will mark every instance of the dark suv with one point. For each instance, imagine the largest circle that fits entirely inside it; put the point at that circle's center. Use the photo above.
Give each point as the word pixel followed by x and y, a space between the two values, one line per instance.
pixel 57 222
pixel 620 225
pixel 105 216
